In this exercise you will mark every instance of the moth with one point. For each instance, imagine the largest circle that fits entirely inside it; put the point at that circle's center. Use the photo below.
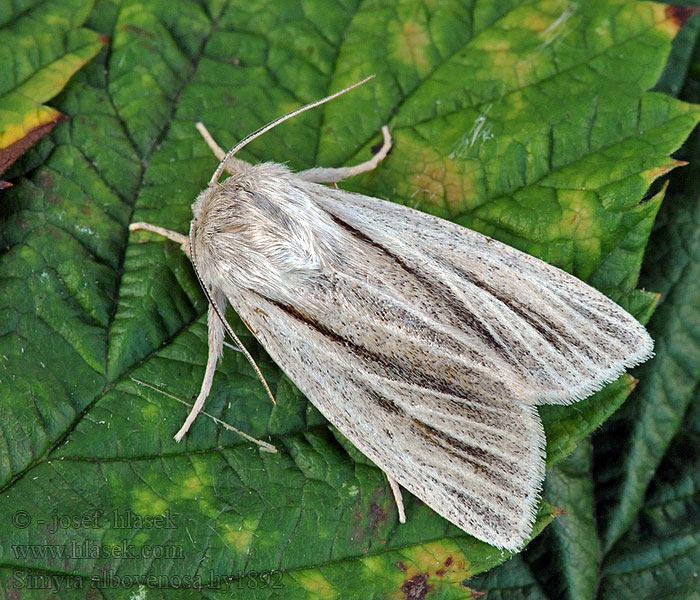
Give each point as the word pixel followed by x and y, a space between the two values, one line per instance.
pixel 426 344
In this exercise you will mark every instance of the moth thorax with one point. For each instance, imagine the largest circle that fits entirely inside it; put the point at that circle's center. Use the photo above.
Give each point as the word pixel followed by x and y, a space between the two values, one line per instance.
pixel 264 231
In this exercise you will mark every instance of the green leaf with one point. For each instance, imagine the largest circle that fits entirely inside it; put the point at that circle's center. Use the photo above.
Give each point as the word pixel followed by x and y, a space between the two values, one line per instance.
pixel 645 459
pixel 529 122
pixel 562 562
pixel 42 46
pixel 649 516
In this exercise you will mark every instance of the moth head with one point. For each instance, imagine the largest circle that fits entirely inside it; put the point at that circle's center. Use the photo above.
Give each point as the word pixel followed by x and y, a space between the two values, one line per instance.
pixel 260 229
pixel 256 225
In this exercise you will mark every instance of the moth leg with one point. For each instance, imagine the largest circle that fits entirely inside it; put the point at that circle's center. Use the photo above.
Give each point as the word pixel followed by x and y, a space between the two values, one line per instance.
pixel 232 165
pixel 331 175
pixel 216 345
pixel 396 490
pixel 171 235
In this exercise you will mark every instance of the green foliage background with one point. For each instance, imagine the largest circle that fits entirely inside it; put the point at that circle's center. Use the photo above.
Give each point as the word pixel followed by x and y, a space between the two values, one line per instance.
pixel 531 122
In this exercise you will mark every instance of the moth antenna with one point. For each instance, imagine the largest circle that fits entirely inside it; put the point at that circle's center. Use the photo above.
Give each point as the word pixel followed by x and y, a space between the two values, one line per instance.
pixel 264 445
pixel 251 136
pixel 224 322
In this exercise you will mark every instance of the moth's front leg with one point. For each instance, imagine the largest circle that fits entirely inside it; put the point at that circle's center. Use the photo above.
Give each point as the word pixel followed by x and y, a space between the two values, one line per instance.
pixel 332 175
pixel 168 233
pixel 232 165
pixel 216 345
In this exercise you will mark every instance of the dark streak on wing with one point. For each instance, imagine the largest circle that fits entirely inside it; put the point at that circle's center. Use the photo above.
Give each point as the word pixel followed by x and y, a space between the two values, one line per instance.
pixel 479 461
pixel 556 337
pixel 432 435
pixel 495 520
pixel 482 461
pixel 383 402
pixel 437 290
pixel 392 368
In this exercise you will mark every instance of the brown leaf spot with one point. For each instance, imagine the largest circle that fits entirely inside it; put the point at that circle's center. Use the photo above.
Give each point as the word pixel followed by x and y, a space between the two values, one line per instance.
pixel 140 31
pixel 377 515
pixel 438 181
pixel 367 523
pixel 11 153
pixel 448 561
pixel 401 566
pixel 680 14
pixel 416 588
pixel 45 179
pixel 410 45
pixel 656 172
pixel 13 590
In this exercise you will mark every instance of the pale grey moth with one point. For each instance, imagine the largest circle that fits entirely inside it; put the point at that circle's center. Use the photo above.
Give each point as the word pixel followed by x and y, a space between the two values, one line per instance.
pixel 426 344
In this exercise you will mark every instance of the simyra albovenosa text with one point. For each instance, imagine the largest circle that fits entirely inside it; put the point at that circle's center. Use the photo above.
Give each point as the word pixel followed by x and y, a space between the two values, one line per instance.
pixel 426 344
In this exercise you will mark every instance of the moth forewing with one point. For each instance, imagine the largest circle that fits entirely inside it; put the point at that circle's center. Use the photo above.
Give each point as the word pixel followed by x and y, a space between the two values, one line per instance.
pixel 553 338
pixel 426 344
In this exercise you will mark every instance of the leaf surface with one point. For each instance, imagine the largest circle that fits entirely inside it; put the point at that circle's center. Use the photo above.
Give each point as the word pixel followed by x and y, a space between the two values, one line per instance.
pixel 43 45
pixel 531 123
pixel 633 531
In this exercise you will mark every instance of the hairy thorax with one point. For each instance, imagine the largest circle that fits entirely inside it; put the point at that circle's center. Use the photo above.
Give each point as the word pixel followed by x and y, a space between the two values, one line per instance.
pixel 261 230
